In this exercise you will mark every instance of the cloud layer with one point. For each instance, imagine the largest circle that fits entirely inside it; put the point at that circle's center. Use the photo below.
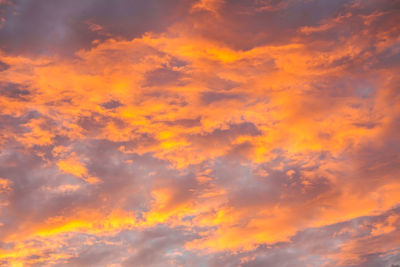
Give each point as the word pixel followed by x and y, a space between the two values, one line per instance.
pixel 199 133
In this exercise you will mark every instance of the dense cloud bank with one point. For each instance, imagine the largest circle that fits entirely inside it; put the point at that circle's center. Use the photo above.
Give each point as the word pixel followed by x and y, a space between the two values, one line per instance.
pixel 199 133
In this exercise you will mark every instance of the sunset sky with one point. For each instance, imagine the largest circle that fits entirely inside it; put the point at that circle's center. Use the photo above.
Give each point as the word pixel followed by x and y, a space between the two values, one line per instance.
pixel 200 133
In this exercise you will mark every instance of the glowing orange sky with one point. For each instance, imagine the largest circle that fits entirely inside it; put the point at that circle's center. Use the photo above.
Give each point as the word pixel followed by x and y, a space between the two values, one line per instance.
pixel 200 133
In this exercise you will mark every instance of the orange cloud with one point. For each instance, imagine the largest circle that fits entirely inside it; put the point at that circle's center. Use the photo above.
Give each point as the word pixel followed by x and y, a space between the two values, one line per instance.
pixel 222 132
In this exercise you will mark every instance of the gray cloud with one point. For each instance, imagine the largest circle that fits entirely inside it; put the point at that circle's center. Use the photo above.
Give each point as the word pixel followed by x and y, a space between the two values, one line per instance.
pixel 44 26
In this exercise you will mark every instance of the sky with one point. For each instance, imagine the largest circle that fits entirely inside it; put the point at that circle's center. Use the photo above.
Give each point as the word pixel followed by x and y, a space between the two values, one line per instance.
pixel 201 133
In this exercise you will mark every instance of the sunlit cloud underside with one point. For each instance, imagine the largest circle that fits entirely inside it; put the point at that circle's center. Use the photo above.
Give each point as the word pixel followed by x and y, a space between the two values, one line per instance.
pixel 200 133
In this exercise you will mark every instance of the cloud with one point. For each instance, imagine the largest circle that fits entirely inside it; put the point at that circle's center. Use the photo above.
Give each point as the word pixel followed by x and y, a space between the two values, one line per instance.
pixel 199 133
pixel 15 91
pixel 43 27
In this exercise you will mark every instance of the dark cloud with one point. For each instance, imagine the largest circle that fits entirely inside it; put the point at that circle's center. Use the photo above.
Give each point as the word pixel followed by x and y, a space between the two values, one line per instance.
pixel 112 104
pixel 45 26
pixel 217 83
pixel 184 122
pixel 96 255
pixel 252 26
pixel 220 137
pixel 14 91
pixel 255 23
pixel 211 97
pixel 4 66
pixel 16 124
pixel 162 76
pixel 95 122
pixel 155 247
